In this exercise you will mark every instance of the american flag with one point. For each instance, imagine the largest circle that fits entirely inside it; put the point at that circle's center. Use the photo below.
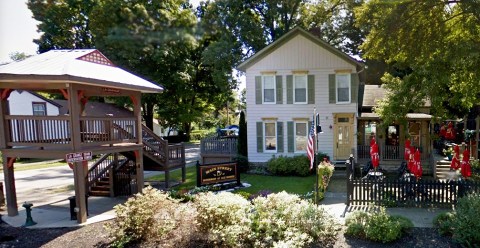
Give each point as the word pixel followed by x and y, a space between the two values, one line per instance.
pixel 310 149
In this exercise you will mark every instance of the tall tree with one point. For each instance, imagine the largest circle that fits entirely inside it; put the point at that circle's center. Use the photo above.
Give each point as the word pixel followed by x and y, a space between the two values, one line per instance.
pixel 432 49
pixel 63 23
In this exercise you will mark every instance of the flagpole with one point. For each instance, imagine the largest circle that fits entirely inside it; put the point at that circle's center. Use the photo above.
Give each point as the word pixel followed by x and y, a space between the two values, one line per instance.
pixel 315 154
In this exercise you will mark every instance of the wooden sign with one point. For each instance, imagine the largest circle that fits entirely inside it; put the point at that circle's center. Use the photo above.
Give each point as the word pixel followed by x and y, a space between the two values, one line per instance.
pixel 217 173
pixel 110 90
pixel 78 157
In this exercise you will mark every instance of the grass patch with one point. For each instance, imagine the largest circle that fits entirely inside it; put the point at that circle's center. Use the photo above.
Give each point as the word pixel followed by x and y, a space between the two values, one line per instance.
pixel 295 185
pixel 62 189
pixel 23 167
pixel 190 182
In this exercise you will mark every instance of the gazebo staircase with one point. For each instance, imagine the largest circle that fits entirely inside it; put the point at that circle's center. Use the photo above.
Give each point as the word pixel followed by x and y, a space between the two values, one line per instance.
pixel 119 169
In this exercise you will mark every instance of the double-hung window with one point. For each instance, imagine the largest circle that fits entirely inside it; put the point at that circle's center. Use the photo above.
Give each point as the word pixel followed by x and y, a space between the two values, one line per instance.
pixel 343 84
pixel 268 83
pixel 301 136
pixel 39 108
pixel 300 88
pixel 270 136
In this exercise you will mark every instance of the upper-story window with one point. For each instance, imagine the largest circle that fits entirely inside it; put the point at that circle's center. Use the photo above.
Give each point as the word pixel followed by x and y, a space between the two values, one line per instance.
pixel 343 84
pixel 268 83
pixel 39 108
pixel 300 86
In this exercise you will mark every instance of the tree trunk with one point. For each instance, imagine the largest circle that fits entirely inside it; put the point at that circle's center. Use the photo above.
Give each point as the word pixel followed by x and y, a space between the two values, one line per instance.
pixel 148 115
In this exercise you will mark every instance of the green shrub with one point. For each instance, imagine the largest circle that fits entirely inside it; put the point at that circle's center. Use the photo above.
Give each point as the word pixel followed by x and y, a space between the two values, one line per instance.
pixel 356 223
pixel 224 217
pixel 466 229
pixel 377 226
pixel 444 223
pixel 244 194
pixel 136 220
pixel 200 134
pixel 242 162
pixel 277 220
pixel 289 166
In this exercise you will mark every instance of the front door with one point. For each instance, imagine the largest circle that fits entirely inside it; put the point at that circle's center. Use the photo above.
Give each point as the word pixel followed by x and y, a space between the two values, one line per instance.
pixel 343 136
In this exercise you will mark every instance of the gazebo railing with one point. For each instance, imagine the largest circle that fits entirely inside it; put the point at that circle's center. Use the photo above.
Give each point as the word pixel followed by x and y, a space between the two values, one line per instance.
pixel 56 130
pixel 37 130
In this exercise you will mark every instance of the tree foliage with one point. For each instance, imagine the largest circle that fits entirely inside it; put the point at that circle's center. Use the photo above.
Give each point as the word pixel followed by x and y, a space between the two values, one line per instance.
pixel 64 23
pixel 157 40
pixel 431 48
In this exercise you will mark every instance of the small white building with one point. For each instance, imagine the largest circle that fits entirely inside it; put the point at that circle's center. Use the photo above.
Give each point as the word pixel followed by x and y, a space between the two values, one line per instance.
pixel 285 82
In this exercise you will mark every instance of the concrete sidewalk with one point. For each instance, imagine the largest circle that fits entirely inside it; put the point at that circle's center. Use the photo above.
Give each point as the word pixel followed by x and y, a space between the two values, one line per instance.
pixel 334 203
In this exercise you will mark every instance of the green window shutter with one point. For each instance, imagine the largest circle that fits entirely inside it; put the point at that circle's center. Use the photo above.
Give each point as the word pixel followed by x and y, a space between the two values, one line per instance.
pixel 331 88
pixel 354 87
pixel 311 89
pixel 289 89
pixel 279 136
pixel 259 136
pixel 258 90
pixel 279 86
pixel 290 137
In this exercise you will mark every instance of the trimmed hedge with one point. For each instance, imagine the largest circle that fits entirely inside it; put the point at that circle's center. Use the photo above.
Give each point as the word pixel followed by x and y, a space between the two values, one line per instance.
pixel 289 166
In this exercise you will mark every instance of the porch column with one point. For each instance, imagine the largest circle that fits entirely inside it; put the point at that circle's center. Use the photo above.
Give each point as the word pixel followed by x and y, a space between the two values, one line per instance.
pixel 137 111
pixel 80 169
pixel 8 173
pixel 10 190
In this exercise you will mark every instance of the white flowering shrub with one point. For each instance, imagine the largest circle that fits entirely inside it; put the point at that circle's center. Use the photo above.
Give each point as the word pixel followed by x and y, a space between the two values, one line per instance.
pixel 149 215
pixel 224 216
pixel 278 220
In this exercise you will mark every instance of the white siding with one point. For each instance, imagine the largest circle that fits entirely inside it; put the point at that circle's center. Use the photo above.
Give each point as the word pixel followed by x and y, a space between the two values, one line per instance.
pixel 21 104
pixel 297 54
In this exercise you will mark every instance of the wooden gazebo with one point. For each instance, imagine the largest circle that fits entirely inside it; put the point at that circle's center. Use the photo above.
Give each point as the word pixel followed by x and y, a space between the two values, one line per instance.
pixel 77 75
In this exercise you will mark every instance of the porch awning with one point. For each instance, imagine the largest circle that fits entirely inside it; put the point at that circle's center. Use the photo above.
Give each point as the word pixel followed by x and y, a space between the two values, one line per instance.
pixel 410 116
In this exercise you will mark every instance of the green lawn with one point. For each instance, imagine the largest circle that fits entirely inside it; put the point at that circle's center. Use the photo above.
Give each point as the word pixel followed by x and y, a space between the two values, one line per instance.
pixel 296 185
pixel 33 164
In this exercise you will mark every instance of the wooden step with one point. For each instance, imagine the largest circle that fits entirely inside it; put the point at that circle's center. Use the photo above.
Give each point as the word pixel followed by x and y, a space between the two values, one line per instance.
pixel 100 193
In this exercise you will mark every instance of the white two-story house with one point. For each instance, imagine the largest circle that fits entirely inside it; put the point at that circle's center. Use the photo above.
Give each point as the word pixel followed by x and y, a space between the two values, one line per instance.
pixel 285 82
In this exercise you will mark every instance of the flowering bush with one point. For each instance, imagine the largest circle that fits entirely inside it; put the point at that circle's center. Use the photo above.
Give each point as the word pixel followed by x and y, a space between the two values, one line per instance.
pixel 277 220
pixel 149 215
pixel 325 172
pixel 224 216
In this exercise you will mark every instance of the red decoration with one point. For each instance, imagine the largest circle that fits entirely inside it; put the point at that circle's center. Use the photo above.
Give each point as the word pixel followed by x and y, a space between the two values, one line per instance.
pixel 466 169
pixel 408 150
pixel 455 165
pixel 374 154
pixel 450 133
pixel 417 171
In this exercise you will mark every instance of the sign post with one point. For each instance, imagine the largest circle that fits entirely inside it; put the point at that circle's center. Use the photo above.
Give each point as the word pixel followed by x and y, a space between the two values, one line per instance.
pixel 79 159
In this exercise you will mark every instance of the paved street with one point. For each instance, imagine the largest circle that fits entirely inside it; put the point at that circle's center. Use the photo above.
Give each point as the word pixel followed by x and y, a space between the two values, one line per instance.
pixel 55 184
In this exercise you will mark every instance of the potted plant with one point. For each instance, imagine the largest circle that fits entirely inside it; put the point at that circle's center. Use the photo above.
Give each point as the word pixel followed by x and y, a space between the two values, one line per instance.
pixel 448 151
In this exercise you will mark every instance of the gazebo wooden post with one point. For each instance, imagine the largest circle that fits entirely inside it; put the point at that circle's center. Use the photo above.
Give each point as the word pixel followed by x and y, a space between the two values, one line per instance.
pixel 80 169
pixel 8 172
pixel 137 112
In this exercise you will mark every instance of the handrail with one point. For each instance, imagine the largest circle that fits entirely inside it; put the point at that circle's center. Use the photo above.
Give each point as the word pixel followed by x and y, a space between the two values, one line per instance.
pixel 94 168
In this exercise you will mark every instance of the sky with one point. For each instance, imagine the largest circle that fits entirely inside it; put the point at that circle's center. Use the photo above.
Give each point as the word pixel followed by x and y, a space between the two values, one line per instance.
pixel 17 29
